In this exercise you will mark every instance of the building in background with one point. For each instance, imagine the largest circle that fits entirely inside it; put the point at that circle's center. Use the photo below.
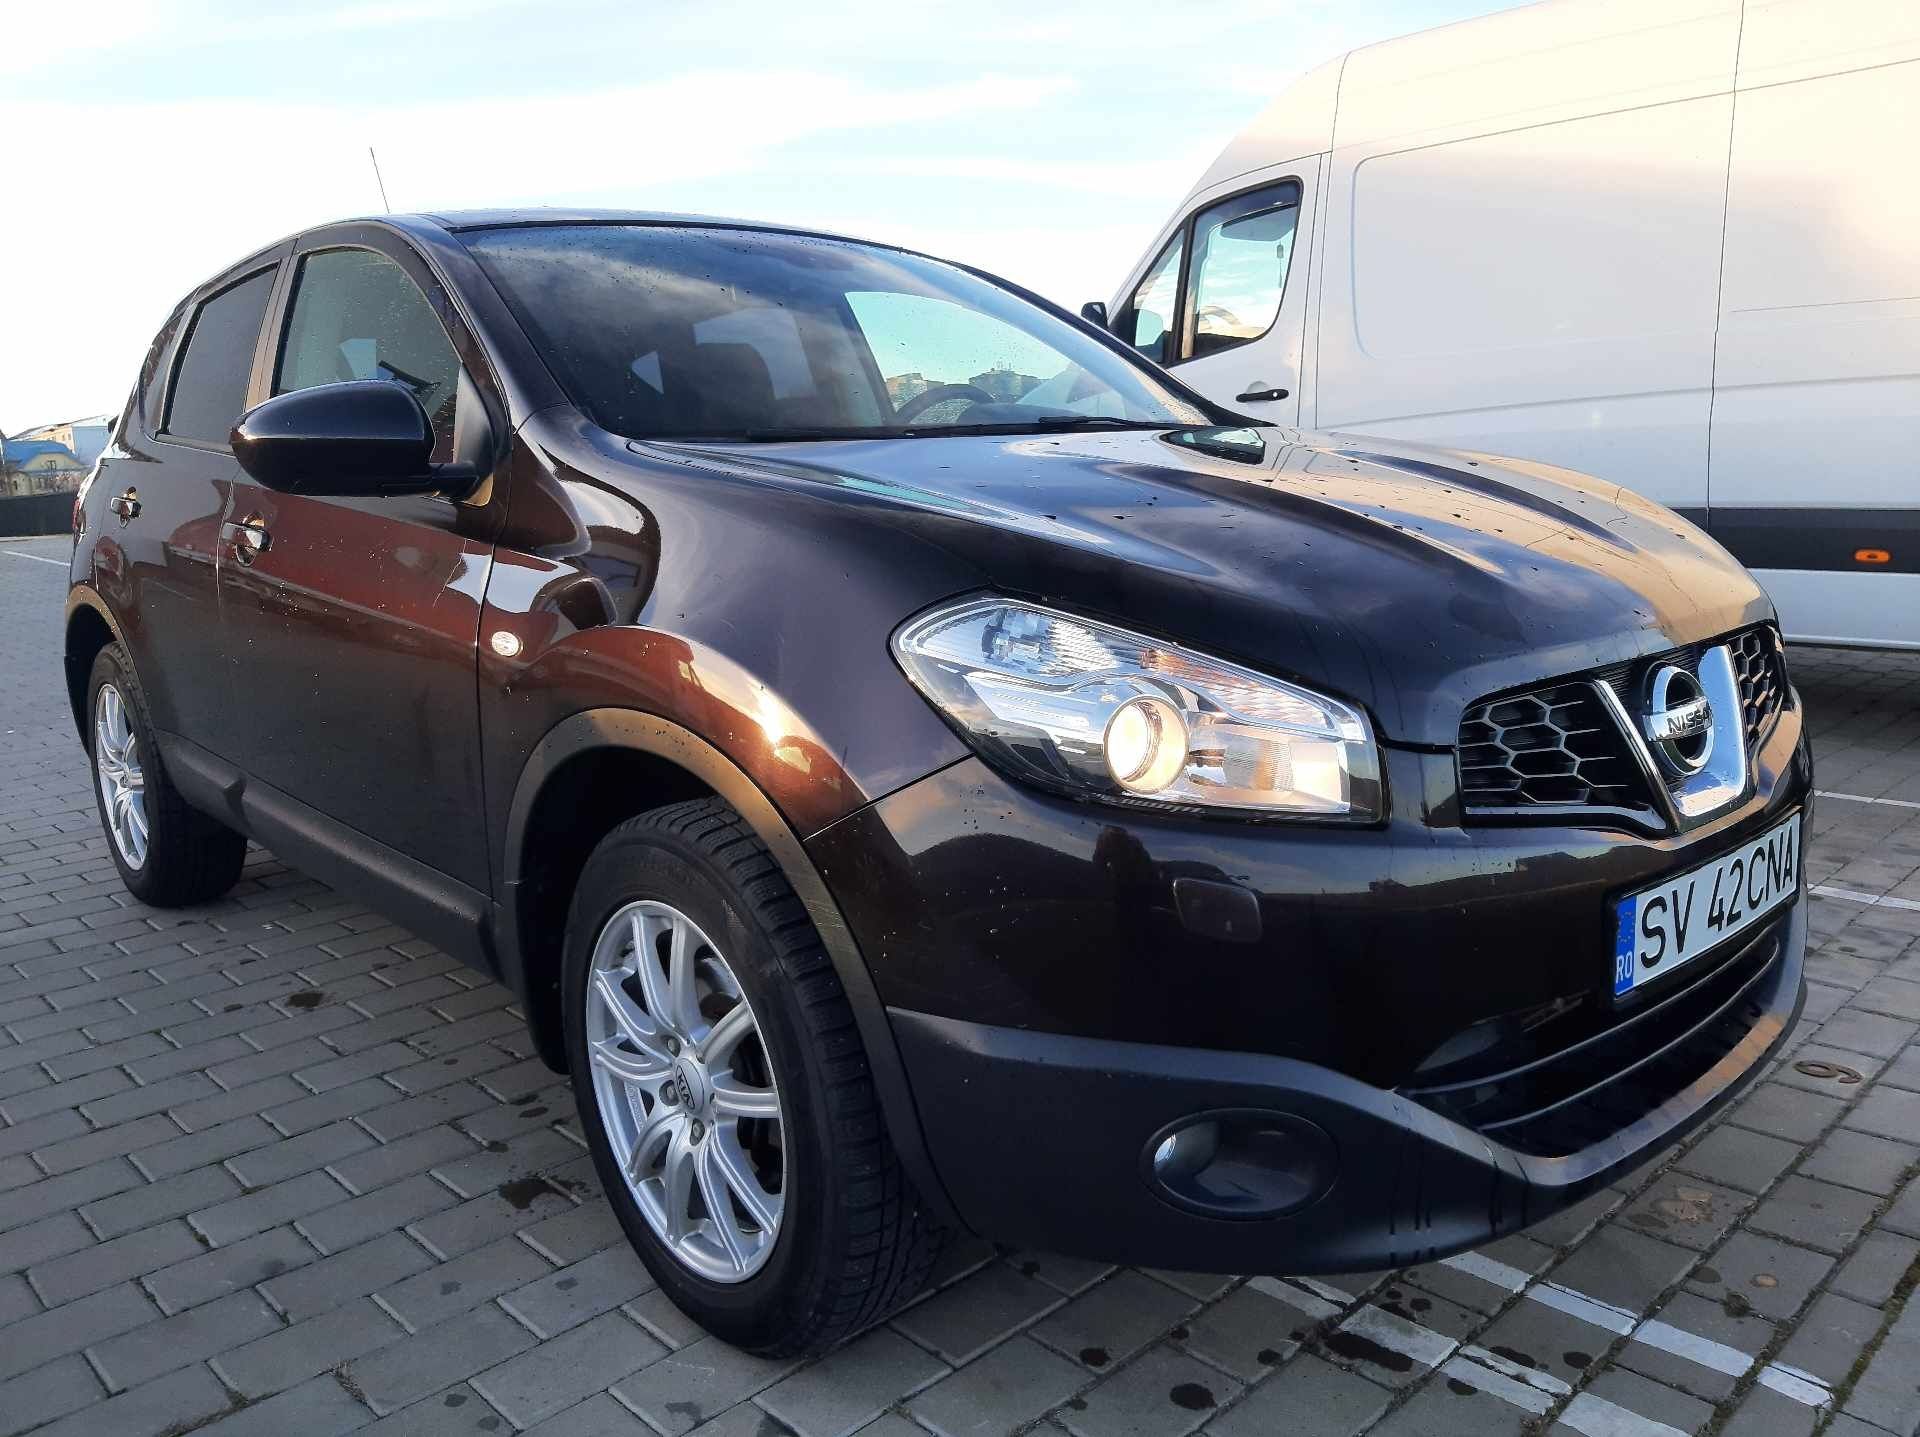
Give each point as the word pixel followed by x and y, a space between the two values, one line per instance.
pixel 52 458
pixel 83 438
pixel 1006 385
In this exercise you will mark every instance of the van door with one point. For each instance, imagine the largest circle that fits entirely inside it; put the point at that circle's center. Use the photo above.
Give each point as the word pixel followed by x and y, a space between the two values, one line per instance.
pixel 1815 480
pixel 1223 304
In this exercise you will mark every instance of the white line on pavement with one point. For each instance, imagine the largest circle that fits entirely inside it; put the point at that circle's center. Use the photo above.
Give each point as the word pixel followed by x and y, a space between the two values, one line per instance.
pixel 1695 1348
pixel 1862 798
pixel 1298 1298
pixel 1802 1387
pixel 1596 1417
pixel 1870 900
pixel 1536 1377
pixel 1397 1334
pixel 1497 1384
pixel 37 558
pixel 1591 1310
pixel 1487 1269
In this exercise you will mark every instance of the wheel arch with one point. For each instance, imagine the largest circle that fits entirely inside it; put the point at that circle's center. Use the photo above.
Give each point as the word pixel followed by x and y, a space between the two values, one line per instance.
pixel 672 763
pixel 90 627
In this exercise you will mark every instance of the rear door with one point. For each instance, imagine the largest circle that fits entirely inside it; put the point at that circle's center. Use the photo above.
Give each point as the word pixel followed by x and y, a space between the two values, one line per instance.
pixel 167 484
pixel 353 621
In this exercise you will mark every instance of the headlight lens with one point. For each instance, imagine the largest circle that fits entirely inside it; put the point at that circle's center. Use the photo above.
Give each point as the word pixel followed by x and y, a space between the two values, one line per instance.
pixel 1098 711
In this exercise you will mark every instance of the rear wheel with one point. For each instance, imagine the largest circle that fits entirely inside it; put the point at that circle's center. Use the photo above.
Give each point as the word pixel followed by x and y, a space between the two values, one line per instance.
pixel 169 854
pixel 726 1094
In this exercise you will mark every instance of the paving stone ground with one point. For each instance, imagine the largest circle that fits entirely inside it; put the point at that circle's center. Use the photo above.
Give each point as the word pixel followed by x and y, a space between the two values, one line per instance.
pixel 276 1166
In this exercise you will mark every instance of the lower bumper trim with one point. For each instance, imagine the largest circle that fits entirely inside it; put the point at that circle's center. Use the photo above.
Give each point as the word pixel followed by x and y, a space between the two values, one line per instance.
pixel 1076 1114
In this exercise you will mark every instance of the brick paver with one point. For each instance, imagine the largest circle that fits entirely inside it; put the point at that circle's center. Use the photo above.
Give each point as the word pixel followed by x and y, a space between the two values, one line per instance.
pixel 275 1166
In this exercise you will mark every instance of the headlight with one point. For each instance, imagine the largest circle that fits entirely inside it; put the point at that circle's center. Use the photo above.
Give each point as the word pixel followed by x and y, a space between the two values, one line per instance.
pixel 1096 711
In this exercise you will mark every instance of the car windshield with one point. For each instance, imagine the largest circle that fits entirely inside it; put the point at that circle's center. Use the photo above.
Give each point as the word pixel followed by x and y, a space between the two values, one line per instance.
pixel 667 331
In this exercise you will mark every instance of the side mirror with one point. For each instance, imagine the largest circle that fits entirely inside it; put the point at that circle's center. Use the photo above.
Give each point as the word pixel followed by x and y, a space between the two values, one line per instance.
pixel 1094 311
pixel 358 437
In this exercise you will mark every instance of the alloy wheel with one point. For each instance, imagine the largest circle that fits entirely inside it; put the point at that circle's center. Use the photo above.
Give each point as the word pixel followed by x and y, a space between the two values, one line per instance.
pixel 123 785
pixel 685 1091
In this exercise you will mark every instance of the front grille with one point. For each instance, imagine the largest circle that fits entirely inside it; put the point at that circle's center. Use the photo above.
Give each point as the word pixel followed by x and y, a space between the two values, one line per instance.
pixel 1554 1087
pixel 1559 746
pixel 1553 746
pixel 1758 666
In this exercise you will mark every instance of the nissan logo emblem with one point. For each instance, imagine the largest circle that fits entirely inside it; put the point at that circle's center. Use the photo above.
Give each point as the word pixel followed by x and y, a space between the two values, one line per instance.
pixel 1679 720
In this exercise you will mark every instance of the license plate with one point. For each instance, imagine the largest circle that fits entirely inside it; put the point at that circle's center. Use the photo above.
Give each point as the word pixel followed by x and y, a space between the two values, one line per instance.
pixel 1663 927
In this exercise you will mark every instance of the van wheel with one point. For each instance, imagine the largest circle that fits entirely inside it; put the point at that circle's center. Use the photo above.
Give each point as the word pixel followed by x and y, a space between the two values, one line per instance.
pixel 169 854
pixel 725 1092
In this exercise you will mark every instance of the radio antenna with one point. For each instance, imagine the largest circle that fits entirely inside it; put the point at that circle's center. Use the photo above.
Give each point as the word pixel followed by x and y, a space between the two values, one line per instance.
pixel 384 204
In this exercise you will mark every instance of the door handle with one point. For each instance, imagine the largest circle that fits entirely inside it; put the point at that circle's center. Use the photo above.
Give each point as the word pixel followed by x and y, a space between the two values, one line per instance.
pixel 126 505
pixel 250 538
pixel 1258 392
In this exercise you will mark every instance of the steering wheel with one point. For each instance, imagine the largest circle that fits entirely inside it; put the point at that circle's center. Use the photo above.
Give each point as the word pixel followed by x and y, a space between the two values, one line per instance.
pixel 922 402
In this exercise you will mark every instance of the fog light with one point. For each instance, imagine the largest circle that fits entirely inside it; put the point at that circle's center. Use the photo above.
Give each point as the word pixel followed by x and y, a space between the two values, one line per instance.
pixel 1242 1163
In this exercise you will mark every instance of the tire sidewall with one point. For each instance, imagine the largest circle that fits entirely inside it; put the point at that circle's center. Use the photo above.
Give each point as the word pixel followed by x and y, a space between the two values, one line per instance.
pixel 654 865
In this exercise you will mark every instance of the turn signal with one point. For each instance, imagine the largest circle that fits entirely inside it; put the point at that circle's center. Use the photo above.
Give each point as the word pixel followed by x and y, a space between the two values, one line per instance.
pixel 1871 556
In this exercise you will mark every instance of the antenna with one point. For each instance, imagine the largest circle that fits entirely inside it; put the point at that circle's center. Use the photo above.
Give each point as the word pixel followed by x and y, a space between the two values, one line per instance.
pixel 378 181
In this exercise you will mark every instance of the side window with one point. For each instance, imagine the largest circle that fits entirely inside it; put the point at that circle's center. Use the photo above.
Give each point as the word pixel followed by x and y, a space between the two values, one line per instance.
pixel 153 376
pixel 357 315
pixel 1147 323
pixel 210 381
pixel 1242 249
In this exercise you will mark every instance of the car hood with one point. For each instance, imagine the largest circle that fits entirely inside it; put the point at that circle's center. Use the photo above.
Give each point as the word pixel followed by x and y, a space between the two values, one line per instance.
pixel 1413 580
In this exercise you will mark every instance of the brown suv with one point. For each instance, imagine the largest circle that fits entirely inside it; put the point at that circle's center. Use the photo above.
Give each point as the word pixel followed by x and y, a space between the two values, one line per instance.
pixel 920 766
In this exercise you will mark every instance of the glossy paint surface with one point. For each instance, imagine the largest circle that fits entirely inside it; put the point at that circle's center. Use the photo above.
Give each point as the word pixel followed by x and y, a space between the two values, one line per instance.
pixel 398 677
pixel 972 899
pixel 351 645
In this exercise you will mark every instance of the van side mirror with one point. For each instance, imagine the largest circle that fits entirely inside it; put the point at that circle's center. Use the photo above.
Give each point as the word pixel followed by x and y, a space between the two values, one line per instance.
pixel 1094 311
pixel 360 437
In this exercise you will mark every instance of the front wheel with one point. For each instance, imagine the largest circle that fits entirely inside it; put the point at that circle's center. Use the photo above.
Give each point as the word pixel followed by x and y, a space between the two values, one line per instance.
pixel 169 854
pixel 725 1092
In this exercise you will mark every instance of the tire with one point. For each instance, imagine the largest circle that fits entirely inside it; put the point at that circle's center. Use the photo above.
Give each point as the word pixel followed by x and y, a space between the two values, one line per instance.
pixel 185 856
pixel 850 1239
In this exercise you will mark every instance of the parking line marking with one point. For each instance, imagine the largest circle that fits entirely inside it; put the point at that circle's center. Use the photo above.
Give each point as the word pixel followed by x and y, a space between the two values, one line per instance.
pixel 1487 1269
pixel 37 558
pixel 1591 1310
pixel 1863 798
pixel 1527 1398
pixel 1870 900
pixel 1695 1348
pixel 1397 1334
pixel 1802 1387
pixel 1298 1298
pixel 1535 1377
pixel 1596 1417
pixel 1325 1290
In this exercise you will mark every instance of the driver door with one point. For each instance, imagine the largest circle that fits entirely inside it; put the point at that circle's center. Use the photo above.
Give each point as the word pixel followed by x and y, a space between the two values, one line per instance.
pixel 352 623
pixel 1224 303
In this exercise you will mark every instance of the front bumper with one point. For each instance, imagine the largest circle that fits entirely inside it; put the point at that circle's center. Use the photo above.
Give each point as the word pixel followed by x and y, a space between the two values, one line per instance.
pixel 1067 982
pixel 1046 1141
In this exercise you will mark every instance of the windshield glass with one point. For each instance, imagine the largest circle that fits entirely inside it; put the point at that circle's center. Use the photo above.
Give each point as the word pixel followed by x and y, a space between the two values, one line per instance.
pixel 673 332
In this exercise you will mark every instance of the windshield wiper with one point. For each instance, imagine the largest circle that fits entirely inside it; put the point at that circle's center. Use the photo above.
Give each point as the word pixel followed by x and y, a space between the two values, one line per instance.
pixel 1094 421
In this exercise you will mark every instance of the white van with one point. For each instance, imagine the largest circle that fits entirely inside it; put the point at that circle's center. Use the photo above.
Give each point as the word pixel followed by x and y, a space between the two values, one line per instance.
pixel 1674 243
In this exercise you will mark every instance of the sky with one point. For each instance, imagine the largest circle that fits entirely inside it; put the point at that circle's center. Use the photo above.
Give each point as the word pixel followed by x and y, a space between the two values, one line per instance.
pixel 147 144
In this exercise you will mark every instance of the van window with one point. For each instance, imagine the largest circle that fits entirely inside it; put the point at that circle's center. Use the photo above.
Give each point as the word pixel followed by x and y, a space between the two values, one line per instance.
pixel 1242 249
pixel 356 315
pixel 210 381
pixel 1147 323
